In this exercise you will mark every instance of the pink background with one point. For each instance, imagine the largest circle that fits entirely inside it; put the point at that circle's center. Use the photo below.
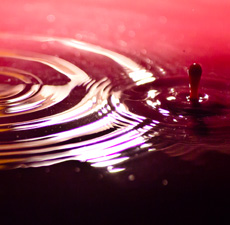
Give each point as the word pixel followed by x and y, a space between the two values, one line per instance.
pixel 193 30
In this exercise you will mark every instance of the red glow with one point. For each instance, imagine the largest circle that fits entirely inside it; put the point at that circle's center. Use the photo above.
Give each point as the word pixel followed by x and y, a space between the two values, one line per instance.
pixel 182 31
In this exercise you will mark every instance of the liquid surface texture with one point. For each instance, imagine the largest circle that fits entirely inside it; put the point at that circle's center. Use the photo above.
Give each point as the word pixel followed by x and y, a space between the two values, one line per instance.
pixel 61 99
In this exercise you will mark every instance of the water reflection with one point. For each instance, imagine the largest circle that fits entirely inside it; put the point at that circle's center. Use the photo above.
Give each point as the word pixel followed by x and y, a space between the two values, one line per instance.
pixel 51 123
pixel 76 101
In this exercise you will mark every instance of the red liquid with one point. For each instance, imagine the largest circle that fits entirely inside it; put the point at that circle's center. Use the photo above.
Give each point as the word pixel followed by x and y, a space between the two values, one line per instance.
pixel 194 80
pixel 168 36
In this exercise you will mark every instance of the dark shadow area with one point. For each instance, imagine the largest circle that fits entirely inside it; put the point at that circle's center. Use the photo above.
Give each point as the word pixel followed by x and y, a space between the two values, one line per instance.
pixel 75 193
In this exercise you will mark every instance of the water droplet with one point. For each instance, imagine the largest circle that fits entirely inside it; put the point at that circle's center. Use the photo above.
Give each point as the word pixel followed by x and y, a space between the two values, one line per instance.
pixel 77 169
pixel 131 177
pixel 195 72
pixel 165 182
pixel 51 18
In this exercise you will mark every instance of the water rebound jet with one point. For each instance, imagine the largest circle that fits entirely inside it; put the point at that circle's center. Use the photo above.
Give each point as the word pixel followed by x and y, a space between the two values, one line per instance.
pixel 195 72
